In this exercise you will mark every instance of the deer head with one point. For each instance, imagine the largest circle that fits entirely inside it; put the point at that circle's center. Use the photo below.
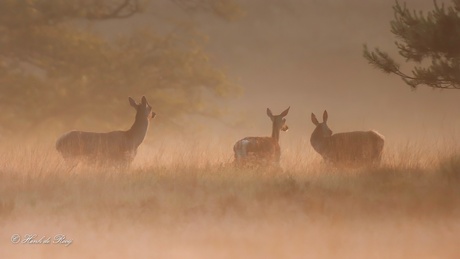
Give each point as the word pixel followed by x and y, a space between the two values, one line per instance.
pixel 279 122
pixel 143 109
pixel 321 128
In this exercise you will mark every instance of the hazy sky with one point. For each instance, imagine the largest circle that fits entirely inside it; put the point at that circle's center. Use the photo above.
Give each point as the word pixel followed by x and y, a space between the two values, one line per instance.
pixel 308 55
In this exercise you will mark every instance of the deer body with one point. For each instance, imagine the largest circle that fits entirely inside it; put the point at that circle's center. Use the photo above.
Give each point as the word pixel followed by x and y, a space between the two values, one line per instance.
pixel 111 147
pixel 257 148
pixel 350 148
pixel 262 150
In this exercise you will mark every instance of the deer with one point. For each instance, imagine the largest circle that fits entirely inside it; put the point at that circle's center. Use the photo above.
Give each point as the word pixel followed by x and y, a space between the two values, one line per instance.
pixel 347 148
pixel 109 148
pixel 262 150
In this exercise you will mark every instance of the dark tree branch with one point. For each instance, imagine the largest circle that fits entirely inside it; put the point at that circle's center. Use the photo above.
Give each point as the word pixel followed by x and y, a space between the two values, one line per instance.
pixel 226 9
pixel 423 38
pixel 123 10
pixel 420 76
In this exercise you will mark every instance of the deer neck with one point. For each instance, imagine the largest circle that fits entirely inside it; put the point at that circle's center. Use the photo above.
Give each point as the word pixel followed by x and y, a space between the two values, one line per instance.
pixel 275 133
pixel 136 133
pixel 319 142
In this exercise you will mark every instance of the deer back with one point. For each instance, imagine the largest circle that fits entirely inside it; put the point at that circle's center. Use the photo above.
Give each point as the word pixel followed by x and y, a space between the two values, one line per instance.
pixel 356 146
pixel 81 143
pixel 262 145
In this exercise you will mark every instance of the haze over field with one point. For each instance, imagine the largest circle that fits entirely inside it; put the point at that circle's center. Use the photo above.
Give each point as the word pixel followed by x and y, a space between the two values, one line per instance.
pixel 308 55
pixel 182 197
pixel 303 54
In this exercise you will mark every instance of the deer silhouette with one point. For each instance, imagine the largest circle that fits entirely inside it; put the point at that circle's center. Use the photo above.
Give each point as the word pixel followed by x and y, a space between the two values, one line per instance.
pixel 115 147
pixel 262 150
pixel 346 148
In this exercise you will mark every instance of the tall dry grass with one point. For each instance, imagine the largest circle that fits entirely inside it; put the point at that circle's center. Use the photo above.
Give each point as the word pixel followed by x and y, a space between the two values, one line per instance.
pixel 187 196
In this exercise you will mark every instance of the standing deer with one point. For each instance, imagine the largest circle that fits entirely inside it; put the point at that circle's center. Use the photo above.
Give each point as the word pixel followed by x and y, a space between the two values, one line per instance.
pixel 262 149
pixel 346 148
pixel 117 147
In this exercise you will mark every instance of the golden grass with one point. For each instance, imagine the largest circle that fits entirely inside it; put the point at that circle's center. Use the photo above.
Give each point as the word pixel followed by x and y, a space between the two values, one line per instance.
pixel 187 201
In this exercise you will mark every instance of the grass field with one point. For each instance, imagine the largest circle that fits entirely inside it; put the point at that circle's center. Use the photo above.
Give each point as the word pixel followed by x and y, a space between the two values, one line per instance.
pixel 186 201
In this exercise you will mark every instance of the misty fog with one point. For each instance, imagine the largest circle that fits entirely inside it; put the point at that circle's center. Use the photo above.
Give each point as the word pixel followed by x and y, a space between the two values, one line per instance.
pixel 183 197
pixel 308 55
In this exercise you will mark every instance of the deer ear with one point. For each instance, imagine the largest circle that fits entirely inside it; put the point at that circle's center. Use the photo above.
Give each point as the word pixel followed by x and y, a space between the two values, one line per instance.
pixel 325 116
pixel 285 112
pixel 269 113
pixel 314 119
pixel 144 100
pixel 132 102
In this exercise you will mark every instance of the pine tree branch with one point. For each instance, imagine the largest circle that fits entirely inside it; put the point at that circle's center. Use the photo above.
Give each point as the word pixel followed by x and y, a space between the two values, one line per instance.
pixel 420 76
pixel 125 9
pixel 421 38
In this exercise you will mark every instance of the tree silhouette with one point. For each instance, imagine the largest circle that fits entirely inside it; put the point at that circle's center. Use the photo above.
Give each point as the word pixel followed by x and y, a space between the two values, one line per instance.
pixel 58 72
pixel 431 41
